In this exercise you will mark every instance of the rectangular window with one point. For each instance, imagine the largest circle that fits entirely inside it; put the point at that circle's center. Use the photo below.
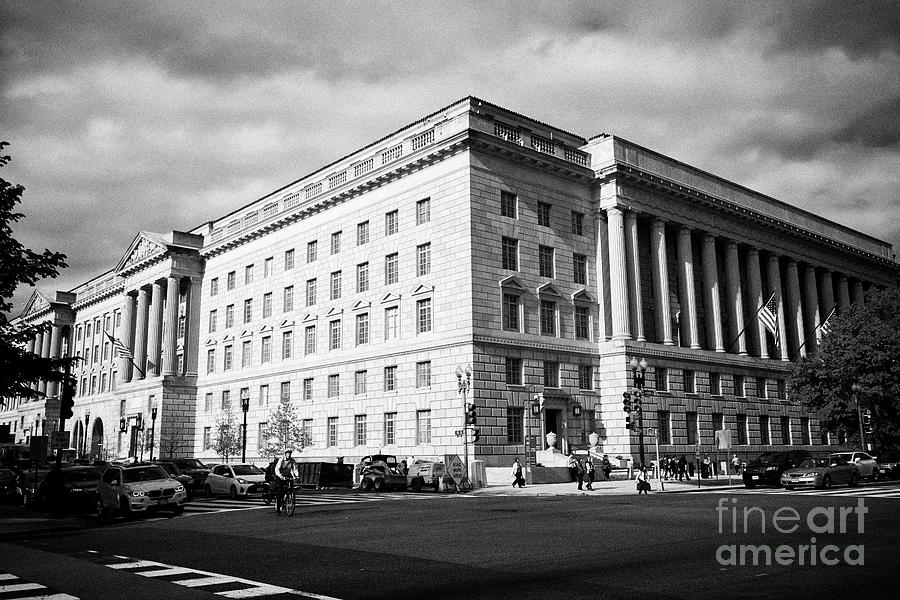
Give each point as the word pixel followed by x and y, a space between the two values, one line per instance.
pixel 551 374
pixel 312 251
pixel 423 315
pixel 390 378
pixel 264 395
pixel 288 259
pixel 362 277
pixel 390 428
pixel 718 420
pixel 715 384
pixel 362 233
pixel 229 316
pixel 545 261
pixel 265 354
pixel 391 323
pixel 210 361
pixel 513 371
pixel 764 431
pixel 308 389
pixel 742 430
pixel 261 435
pixel 508 202
pixel 336 242
pixel 582 322
pixel 212 321
pixel 248 274
pixel 510 253
pixel 287 344
pixel 306 429
pixel 285 393
pixel 334 386
pixel 214 286
pixel 362 329
pixel 691 424
pixel 226 399
pixel 423 260
pixel 391 269
pixel 310 292
pixel 579 262
pixel 391 223
pixel 423 211
pixel 359 430
pixel 782 390
pixel 786 431
pixel 543 214
pixel 515 431
pixel 359 382
pixel 267 305
pixel 229 358
pixel 548 317
pixel 248 310
pixel 423 374
pixel 762 387
pixel 309 343
pixel 182 321
pixel 665 430
pixel 207 438
pixel 207 406
pixel 230 280
pixel 334 335
pixel 689 378
pixel 267 267
pixel 661 377
pixel 577 223
pixel 585 377
pixel 511 312
pixel 336 285
pixel 739 390
pixel 423 427
pixel 288 299
pixel 804 431
pixel 332 431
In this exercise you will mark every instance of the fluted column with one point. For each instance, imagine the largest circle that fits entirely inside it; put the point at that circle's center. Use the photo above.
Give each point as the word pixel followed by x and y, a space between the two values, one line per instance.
pixel 56 338
pixel 29 347
pixel 618 275
pixel 45 353
pixel 192 327
pixel 602 262
pixel 126 336
pixel 734 291
pixel 858 297
pixel 795 309
pixel 659 264
pixel 775 285
pixel 170 323
pixel 754 281
pixel 826 293
pixel 34 346
pixel 636 308
pixel 711 294
pixel 154 335
pixel 140 334
pixel 812 306
pixel 843 292
pixel 688 298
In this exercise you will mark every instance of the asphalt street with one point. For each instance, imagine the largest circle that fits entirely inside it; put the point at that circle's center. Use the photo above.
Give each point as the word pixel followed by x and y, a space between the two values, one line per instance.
pixel 471 546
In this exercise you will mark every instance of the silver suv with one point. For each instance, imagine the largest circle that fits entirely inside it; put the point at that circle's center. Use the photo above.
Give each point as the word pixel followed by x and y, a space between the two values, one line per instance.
pixel 138 488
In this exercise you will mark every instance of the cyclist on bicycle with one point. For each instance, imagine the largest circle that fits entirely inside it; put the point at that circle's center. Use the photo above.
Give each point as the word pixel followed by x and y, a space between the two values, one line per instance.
pixel 285 471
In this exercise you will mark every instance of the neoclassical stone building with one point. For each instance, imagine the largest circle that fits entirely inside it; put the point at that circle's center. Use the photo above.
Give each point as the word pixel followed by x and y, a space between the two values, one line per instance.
pixel 474 236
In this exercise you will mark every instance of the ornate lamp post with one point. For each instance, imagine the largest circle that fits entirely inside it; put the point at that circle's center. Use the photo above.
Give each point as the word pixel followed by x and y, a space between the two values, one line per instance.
pixel 86 451
pixel 856 388
pixel 638 372
pixel 245 406
pixel 152 430
pixel 464 383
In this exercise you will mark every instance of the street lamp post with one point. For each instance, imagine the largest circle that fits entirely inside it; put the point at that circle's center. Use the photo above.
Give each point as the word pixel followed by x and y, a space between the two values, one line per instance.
pixel 856 388
pixel 638 372
pixel 152 430
pixel 84 442
pixel 245 406
pixel 464 383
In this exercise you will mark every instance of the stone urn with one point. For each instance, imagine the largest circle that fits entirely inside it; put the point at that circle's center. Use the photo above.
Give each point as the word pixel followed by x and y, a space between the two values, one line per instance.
pixel 551 440
pixel 594 438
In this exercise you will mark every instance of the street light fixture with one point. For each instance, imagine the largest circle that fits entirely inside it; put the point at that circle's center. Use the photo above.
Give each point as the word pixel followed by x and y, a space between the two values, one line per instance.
pixel 245 406
pixel 856 389
pixel 152 430
pixel 638 375
pixel 464 383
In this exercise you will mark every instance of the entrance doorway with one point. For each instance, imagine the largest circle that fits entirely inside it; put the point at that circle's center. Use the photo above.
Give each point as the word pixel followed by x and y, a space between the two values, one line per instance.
pixel 553 422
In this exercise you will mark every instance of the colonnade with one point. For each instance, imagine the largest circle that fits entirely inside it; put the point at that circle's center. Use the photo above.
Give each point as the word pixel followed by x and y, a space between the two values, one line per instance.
pixel 729 297
pixel 48 343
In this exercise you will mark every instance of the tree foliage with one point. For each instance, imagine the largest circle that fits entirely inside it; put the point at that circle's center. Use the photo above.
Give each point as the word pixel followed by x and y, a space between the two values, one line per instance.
pixel 227 442
pixel 21 266
pixel 863 347
pixel 283 431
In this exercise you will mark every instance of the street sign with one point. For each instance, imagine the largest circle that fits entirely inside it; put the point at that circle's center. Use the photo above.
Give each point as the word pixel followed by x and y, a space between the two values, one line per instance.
pixel 459 432
pixel 455 468
pixel 723 439
pixel 59 440
pixel 52 406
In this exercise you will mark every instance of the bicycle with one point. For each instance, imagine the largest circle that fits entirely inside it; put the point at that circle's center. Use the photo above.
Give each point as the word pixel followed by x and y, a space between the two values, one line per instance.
pixel 288 500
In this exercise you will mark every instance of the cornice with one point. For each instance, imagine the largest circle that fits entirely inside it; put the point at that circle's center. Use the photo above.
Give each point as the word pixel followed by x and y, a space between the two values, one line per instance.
pixel 590 350
pixel 108 292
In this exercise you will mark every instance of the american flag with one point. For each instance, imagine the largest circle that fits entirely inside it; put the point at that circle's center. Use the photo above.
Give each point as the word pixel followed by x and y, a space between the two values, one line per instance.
pixel 119 346
pixel 825 327
pixel 768 314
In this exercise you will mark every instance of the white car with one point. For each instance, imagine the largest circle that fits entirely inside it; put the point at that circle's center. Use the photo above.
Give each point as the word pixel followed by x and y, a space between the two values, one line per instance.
pixel 130 489
pixel 868 467
pixel 235 480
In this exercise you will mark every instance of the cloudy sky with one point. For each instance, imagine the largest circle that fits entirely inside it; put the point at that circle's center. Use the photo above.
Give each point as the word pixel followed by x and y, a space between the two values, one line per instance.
pixel 164 115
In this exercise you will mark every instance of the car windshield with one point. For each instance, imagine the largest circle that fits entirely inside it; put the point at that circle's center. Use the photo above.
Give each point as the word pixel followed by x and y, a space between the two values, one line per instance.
pixel 88 475
pixel 843 455
pixel 810 463
pixel 169 468
pixel 246 470
pixel 190 463
pixel 143 474
pixel 770 457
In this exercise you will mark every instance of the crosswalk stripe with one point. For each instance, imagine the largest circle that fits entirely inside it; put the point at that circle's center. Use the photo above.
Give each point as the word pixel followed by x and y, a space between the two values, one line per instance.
pixel 20 587
pixel 5 576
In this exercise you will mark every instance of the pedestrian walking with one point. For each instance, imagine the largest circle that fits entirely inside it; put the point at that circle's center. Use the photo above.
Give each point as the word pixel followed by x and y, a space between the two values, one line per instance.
pixel 606 467
pixel 682 467
pixel 518 480
pixel 579 473
pixel 643 485
pixel 589 472
pixel 736 464
pixel 664 467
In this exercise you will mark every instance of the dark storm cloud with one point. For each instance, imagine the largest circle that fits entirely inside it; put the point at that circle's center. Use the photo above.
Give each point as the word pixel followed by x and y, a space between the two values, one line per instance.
pixel 877 127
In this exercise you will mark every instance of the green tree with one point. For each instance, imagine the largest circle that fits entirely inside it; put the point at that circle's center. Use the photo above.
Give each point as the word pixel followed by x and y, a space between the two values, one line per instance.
pixel 283 431
pixel 227 442
pixel 21 266
pixel 862 347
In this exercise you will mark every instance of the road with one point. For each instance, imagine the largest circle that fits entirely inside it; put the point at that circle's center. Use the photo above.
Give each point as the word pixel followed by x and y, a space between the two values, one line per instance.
pixel 469 546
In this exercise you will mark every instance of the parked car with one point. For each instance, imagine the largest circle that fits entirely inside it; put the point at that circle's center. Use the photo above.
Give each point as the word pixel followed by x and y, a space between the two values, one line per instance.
pixel 175 473
pixel 9 485
pixel 236 480
pixel 138 488
pixel 766 469
pixel 194 468
pixel 380 477
pixel 389 459
pixel 889 464
pixel 821 473
pixel 69 488
pixel 868 466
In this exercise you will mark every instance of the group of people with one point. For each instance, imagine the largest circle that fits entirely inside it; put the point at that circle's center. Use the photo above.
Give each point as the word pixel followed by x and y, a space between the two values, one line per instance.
pixel 676 468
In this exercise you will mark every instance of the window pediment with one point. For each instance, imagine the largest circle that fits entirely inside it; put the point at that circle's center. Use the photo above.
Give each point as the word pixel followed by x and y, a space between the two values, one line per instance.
pixel 582 295
pixel 548 290
pixel 390 297
pixel 512 282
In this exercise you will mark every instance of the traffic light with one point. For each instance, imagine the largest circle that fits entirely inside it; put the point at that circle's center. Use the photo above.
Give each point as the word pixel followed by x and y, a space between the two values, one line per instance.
pixel 471 414
pixel 66 400
pixel 638 402
pixel 867 421
pixel 626 406
pixel 475 435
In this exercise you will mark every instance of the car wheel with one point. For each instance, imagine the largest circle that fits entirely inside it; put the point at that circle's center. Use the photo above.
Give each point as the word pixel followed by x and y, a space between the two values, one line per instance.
pixel 365 485
pixel 207 490
pixel 379 485
pixel 416 485
pixel 232 493
pixel 854 480
pixel 125 508
pixel 826 483
pixel 875 475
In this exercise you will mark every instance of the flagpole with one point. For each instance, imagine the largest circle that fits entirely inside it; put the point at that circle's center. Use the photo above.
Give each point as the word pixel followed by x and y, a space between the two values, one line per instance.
pixel 119 353
pixel 750 321
pixel 818 327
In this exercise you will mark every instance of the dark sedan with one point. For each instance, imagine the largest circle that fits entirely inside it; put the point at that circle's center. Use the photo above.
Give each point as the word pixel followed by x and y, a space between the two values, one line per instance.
pixel 195 469
pixel 9 485
pixel 70 488
pixel 889 464
pixel 766 469
pixel 175 473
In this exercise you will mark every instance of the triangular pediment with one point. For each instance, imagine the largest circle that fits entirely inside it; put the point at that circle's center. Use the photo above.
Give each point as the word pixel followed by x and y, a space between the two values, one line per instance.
pixel 390 297
pixel 334 312
pixel 512 282
pixel 287 323
pixel 36 303
pixel 310 317
pixel 423 289
pixel 548 290
pixel 582 295
pixel 228 338
pixel 145 246
pixel 265 328
pixel 211 342
pixel 246 333
pixel 361 305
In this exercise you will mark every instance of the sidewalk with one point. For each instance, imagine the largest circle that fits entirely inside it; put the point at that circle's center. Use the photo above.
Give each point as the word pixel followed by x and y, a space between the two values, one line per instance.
pixel 617 485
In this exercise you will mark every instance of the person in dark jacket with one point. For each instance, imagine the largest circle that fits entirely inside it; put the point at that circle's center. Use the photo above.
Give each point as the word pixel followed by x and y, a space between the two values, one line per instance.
pixel 589 472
